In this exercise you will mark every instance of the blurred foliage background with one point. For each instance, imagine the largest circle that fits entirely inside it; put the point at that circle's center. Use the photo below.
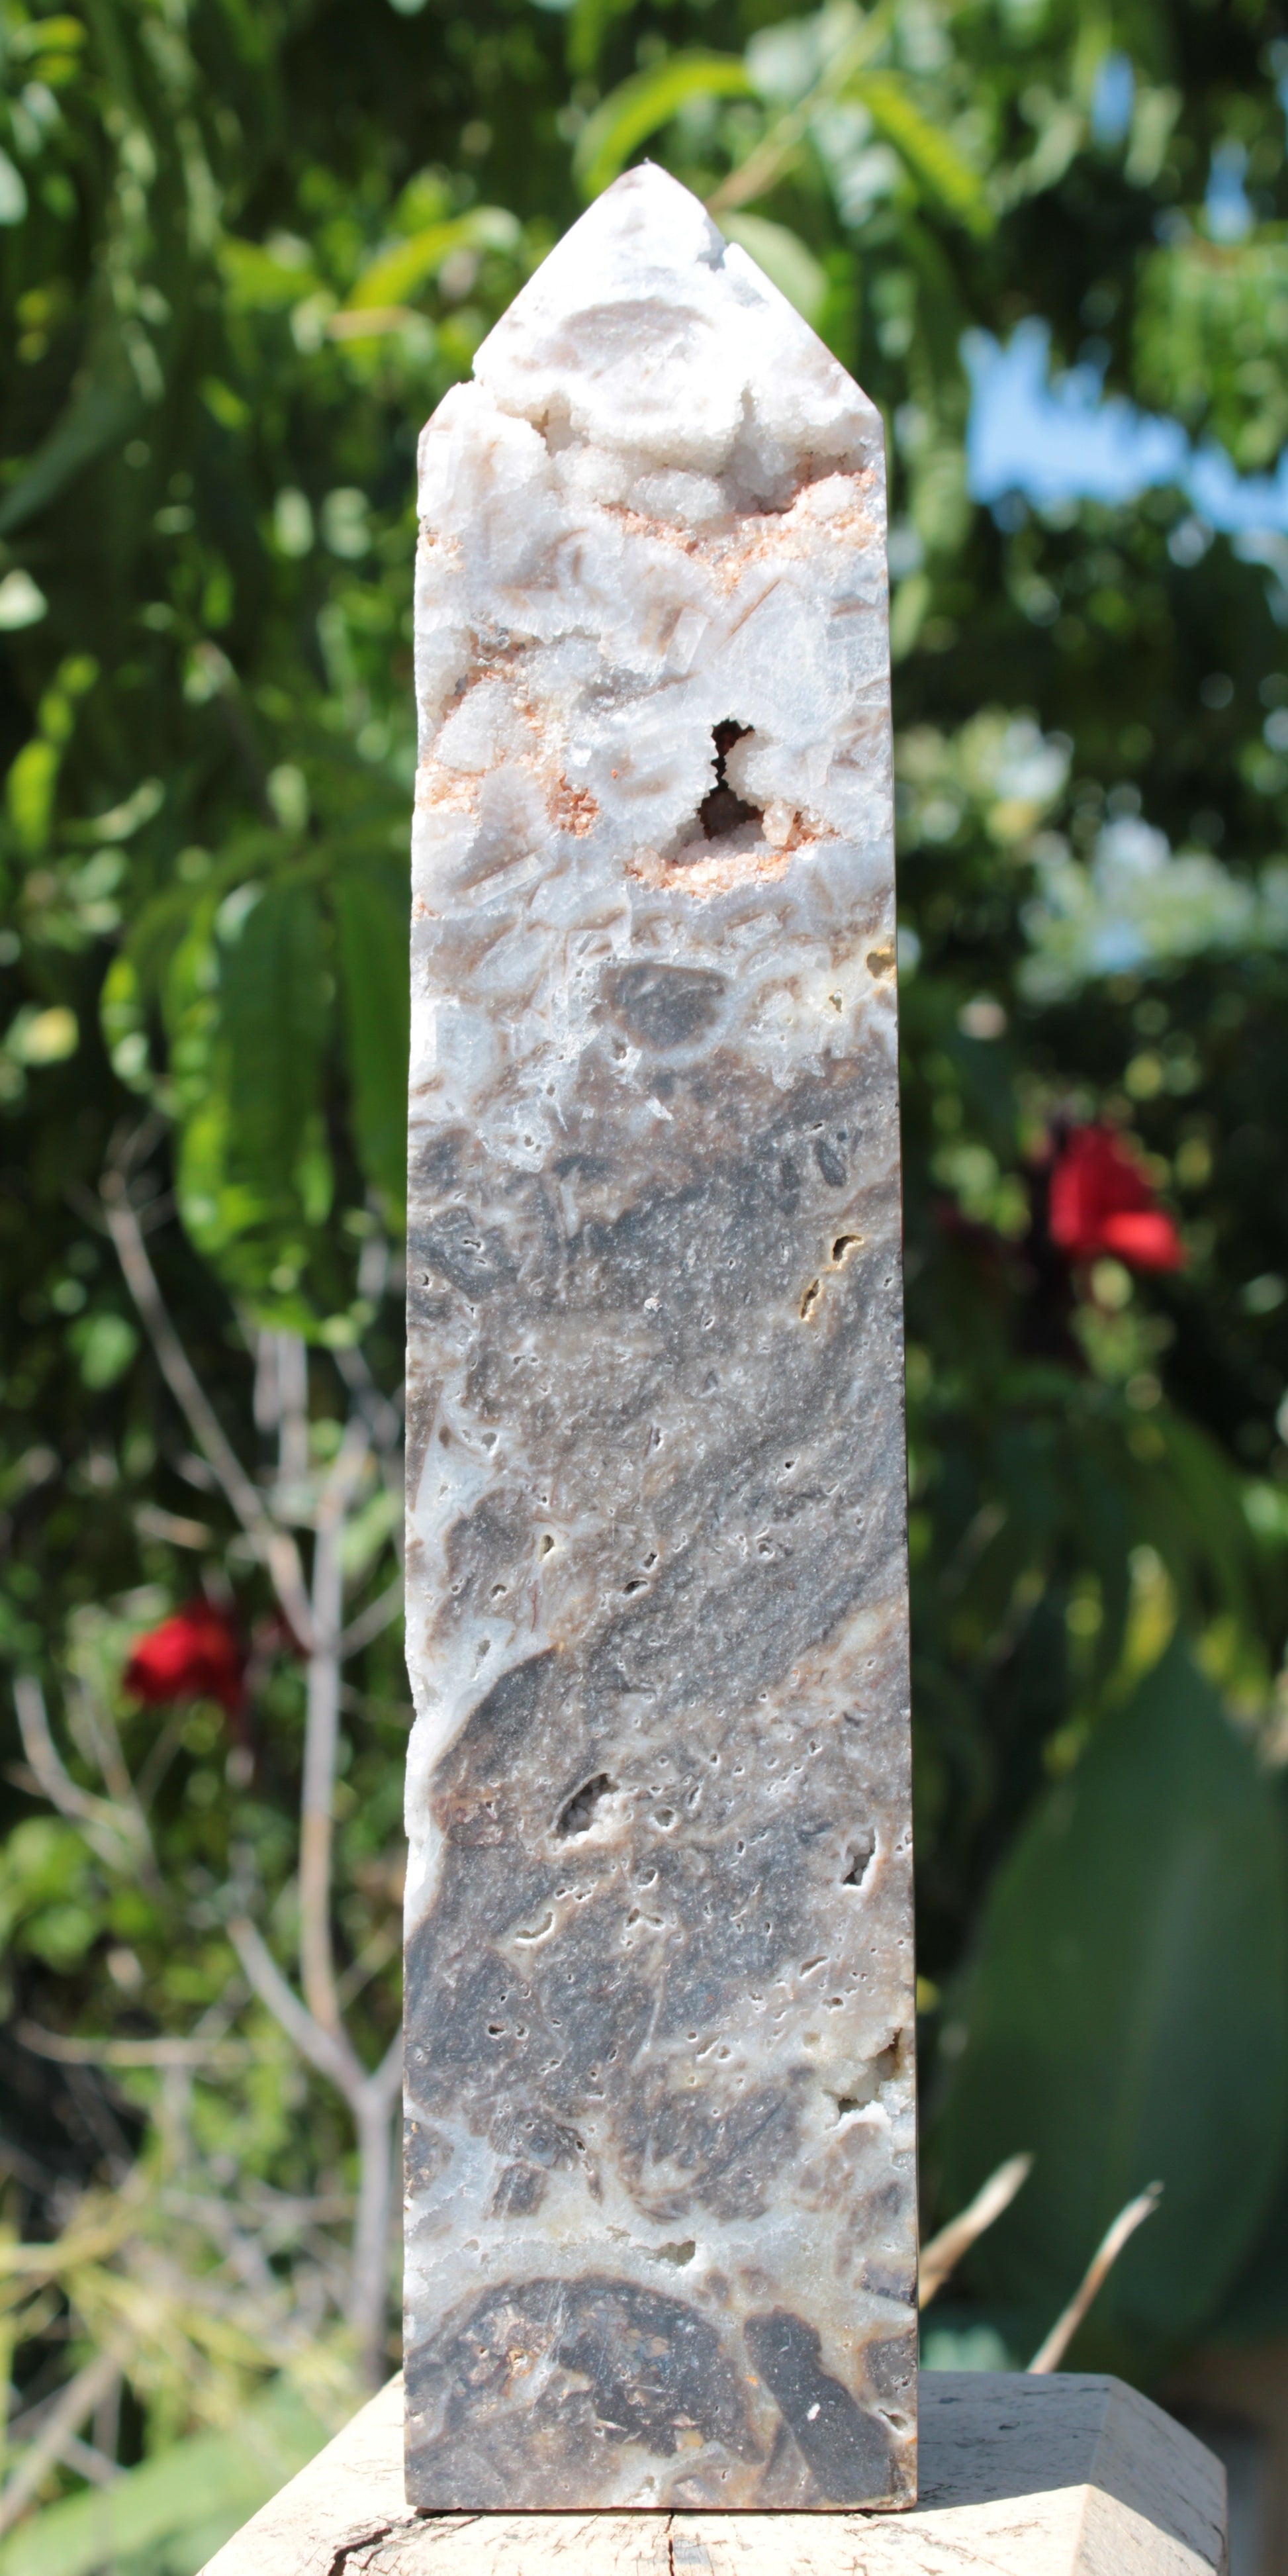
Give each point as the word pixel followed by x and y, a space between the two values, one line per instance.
pixel 244 249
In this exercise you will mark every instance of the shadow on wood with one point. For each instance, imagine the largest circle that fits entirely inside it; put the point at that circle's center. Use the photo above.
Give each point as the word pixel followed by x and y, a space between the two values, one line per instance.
pixel 1062 2476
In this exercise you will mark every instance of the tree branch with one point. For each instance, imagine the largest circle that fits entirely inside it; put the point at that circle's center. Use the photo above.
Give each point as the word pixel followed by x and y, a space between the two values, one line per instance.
pixel 276 1550
pixel 777 149
pixel 372 2100
pixel 322 1724
pixel 944 2252
pixel 131 2052
pixel 328 2050
pixel 389 2073
pixel 378 1615
pixel 1050 2354
pixel 380 1412
pixel 99 1816
pixel 79 2399
pixel 369 2273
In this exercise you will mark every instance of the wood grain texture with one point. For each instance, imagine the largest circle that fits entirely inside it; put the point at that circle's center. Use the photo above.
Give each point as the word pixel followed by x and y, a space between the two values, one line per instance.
pixel 1065 2476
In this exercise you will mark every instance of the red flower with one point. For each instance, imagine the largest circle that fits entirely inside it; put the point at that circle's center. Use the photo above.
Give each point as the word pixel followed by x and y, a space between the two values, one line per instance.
pixel 195 1655
pixel 1101 1202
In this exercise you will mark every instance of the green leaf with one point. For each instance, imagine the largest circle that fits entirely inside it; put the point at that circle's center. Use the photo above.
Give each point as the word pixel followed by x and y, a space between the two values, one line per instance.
pixel 36 1037
pixel 398 273
pixel 224 404
pixel 211 2481
pixel 372 929
pixel 13 192
pixel 22 602
pixel 248 1016
pixel 1255 2310
pixel 368 1530
pixel 258 283
pixel 1128 2021
pixel 784 258
pixel 647 100
pixel 40 35
pixel 99 416
pixel 909 609
pixel 29 793
pixel 1202 307
pixel 273 1019
pixel 943 170
pixel 122 821
pixel 104 1346
pixel 44 1865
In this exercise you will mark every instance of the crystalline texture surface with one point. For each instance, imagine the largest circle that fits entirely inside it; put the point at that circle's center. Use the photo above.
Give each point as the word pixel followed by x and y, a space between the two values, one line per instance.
pixel 660 2140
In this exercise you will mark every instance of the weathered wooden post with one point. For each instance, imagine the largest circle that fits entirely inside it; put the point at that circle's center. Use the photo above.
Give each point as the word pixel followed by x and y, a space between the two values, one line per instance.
pixel 660 2243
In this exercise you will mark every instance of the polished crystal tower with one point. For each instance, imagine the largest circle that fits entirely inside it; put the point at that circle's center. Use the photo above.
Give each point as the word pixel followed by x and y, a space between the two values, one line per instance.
pixel 661 2234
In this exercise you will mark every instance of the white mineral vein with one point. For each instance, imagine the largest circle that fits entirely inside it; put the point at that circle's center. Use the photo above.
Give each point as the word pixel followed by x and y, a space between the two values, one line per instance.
pixel 660 2146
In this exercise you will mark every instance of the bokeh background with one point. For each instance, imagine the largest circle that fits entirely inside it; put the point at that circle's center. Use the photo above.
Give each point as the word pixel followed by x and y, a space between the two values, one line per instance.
pixel 245 246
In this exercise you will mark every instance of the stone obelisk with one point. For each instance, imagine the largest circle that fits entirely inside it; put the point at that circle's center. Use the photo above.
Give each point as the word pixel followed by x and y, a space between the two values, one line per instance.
pixel 661 2238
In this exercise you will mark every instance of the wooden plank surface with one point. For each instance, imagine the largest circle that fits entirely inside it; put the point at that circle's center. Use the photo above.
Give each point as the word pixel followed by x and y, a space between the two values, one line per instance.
pixel 1064 2476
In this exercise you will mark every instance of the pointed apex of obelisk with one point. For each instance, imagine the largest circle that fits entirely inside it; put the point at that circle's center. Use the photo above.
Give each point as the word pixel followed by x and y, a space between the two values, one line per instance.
pixel 645 331
pixel 646 224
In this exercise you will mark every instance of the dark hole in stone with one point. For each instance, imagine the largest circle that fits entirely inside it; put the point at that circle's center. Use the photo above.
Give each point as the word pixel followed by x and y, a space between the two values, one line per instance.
pixel 858 1858
pixel 721 810
pixel 579 1814
pixel 877 2072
